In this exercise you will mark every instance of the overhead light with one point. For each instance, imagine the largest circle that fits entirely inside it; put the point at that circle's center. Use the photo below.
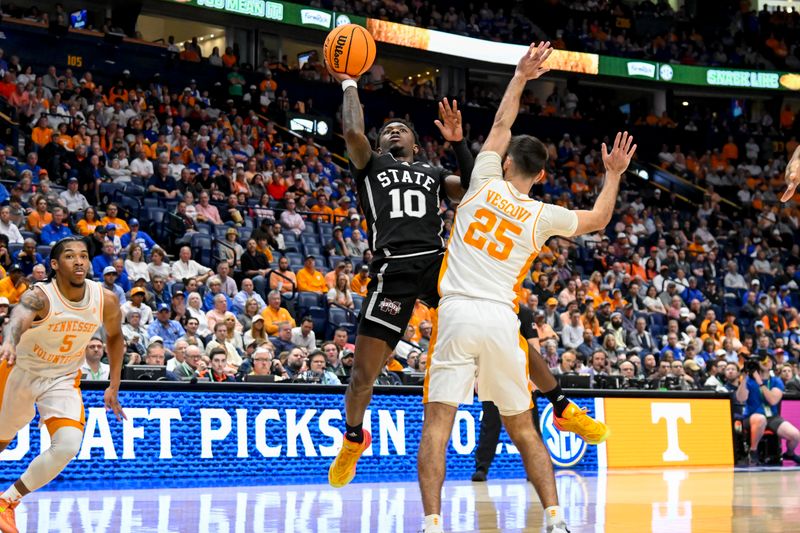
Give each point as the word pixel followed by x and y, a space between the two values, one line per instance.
pixel 685 103
pixel 211 36
pixel 437 70
pixel 428 73
pixel 419 75
pixel 411 77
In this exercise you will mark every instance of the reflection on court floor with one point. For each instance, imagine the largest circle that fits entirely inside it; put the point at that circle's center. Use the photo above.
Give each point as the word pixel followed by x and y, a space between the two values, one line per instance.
pixel 672 501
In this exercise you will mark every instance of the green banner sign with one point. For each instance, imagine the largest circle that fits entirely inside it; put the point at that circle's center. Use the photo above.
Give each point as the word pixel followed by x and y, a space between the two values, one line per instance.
pixel 283 12
pixel 704 76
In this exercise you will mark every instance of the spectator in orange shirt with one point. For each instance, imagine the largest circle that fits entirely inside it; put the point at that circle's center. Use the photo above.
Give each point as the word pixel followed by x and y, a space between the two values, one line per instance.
pixel 275 315
pixel 40 216
pixel 324 210
pixel 13 285
pixel 730 151
pixel 111 218
pixel 229 59
pixel 333 275
pixel 280 283
pixel 360 281
pixel 309 279
pixel 422 313
pixel 342 209
pixel 42 133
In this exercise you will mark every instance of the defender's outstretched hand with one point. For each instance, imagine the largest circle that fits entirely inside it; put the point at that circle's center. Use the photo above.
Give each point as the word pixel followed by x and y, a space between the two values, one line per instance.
pixel 531 66
pixel 617 161
pixel 450 123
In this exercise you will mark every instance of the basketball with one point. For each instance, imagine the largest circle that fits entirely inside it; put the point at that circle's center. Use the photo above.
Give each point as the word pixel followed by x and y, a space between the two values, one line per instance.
pixel 349 49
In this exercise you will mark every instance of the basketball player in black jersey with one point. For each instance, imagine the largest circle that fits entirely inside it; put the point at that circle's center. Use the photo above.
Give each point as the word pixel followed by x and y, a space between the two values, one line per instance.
pixel 400 196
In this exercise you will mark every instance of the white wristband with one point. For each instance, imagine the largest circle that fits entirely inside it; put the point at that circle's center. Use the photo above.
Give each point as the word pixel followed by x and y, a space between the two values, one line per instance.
pixel 348 83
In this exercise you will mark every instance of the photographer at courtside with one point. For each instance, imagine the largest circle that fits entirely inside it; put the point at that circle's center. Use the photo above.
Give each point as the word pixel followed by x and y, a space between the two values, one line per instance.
pixel 762 394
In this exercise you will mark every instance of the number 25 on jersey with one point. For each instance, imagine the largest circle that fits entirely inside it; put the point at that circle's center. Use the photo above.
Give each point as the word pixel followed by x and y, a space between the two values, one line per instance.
pixel 487 222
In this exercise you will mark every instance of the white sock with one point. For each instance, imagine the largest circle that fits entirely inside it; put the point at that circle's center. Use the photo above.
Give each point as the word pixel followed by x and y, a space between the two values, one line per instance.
pixel 553 515
pixel 11 495
pixel 433 524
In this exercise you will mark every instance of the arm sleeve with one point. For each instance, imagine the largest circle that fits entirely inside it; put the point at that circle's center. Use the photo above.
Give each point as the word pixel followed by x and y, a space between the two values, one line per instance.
pixel 465 162
pixel 554 220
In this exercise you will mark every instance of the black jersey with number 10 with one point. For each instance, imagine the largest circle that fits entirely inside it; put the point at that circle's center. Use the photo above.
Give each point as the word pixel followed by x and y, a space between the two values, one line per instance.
pixel 401 202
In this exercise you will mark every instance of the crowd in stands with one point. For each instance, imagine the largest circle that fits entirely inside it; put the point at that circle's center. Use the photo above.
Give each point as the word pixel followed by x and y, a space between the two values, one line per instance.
pixel 237 250
pixel 738 36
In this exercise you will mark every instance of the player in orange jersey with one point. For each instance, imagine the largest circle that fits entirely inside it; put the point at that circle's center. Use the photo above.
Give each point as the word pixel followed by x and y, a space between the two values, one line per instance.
pixel 40 361
pixel 497 233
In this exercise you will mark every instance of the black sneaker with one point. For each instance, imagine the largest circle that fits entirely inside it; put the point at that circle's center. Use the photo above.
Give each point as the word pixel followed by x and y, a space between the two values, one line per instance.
pixel 753 459
pixel 792 457
pixel 479 475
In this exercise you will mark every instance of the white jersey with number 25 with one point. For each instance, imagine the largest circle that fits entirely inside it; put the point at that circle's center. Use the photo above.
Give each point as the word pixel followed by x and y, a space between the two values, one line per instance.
pixel 496 235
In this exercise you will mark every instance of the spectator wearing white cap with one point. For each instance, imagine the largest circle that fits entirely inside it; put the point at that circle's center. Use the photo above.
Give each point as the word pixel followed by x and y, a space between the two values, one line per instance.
pixel 355 225
pixel 133 331
pixel 94 369
pixel 109 282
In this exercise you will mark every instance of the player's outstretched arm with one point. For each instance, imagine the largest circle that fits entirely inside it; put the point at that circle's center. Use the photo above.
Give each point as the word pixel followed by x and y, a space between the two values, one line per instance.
pixel 115 345
pixel 792 175
pixel 616 163
pixel 449 124
pixel 530 67
pixel 358 148
pixel 32 304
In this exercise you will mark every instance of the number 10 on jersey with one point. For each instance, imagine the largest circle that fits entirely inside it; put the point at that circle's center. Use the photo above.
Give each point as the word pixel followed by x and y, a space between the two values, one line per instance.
pixel 407 203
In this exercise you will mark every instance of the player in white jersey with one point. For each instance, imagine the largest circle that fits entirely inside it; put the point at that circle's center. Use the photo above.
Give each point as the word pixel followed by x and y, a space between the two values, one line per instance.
pixel 497 233
pixel 40 360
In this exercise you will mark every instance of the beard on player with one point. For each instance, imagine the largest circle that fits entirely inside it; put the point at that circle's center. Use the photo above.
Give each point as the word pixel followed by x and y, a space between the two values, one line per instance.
pixel 71 264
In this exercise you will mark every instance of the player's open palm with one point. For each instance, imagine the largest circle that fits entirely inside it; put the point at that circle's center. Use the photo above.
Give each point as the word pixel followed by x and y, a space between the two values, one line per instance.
pixel 792 179
pixel 449 122
pixel 532 64
pixel 8 354
pixel 617 160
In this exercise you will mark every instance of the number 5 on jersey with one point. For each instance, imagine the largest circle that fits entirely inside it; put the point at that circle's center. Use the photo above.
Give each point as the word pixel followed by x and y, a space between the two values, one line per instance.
pixel 478 234
pixel 66 343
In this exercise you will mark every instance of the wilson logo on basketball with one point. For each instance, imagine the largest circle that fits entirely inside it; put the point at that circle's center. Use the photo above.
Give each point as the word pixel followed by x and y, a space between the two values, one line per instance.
pixel 338 50
pixel 389 306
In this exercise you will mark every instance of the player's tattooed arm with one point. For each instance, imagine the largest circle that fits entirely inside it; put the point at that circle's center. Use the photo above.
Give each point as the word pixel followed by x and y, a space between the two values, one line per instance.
pixel 32 304
pixel 358 147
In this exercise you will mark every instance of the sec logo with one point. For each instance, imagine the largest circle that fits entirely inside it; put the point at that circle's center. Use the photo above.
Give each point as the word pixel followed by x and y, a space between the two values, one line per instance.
pixel 566 449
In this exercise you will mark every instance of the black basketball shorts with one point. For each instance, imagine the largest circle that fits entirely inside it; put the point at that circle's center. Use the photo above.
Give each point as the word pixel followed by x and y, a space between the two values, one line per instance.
pixel 393 290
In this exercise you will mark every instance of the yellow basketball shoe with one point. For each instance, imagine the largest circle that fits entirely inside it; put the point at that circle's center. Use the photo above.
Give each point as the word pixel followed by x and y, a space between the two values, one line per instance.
pixel 575 420
pixel 7 522
pixel 343 468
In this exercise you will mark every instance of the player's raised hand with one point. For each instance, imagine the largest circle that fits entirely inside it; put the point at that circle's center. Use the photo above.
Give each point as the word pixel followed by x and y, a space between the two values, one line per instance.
pixel 339 76
pixel 792 176
pixel 8 354
pixel 449 122
pixel 111 399
pixel 531 65
pixel 617 160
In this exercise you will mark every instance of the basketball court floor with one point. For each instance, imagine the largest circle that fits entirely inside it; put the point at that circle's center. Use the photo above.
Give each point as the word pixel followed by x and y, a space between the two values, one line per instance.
pixel 672 501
